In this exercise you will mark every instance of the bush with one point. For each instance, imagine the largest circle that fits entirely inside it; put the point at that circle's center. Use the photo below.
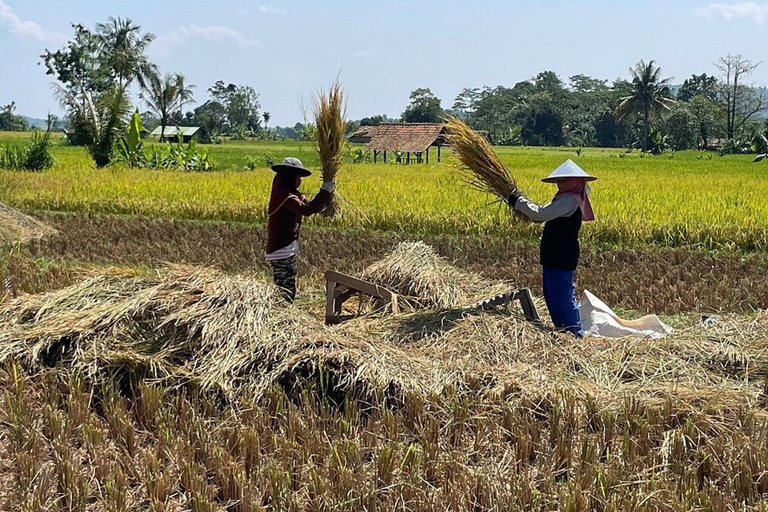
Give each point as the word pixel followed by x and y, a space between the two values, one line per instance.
pixel 39 154
pixel 35 156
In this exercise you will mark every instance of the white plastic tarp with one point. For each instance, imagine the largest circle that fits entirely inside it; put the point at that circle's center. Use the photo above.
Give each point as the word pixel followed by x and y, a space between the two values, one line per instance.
pixel 597 319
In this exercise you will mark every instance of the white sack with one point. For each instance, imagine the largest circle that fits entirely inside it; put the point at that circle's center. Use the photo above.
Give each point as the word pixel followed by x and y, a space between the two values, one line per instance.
pixel 597 319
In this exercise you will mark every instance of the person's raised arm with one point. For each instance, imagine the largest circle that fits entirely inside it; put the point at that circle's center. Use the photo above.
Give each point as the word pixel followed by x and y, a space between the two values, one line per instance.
pixel 307 208
pixel 563 207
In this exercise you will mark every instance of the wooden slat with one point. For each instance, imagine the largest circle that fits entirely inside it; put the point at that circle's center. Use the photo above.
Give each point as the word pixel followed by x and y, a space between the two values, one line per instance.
pixel 358 284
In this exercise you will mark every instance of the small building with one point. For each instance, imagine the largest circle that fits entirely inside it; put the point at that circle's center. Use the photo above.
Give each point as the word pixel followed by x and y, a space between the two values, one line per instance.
pixel 363 134
pixel 186 133
pixel 406 138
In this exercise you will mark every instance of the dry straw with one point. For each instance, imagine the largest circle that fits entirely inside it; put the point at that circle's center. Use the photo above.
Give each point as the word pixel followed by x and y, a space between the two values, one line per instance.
pixel 17 227
pixel 330 120
pixel 416 272
pixel 235 334
pixel 480 165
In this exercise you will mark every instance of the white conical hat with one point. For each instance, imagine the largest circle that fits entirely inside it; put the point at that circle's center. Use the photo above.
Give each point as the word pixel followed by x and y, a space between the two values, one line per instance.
pixel 568 169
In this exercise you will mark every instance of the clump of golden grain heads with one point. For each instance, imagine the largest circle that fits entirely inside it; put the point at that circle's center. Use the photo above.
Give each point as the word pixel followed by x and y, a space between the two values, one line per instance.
pixel 330 113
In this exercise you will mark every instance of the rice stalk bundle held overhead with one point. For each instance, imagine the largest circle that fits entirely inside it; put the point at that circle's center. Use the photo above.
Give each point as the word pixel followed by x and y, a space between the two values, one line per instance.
pixel 330 120
pixel 480 166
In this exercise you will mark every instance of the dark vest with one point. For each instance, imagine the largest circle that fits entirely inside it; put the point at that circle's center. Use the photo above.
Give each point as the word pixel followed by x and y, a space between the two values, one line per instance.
pixel 560 242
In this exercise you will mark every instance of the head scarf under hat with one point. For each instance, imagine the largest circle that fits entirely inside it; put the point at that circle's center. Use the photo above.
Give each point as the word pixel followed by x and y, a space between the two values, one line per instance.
pixel 283 185
pixel 574 184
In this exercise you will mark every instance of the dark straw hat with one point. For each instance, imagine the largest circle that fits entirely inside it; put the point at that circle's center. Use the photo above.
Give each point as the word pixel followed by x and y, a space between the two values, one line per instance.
pixel 292 164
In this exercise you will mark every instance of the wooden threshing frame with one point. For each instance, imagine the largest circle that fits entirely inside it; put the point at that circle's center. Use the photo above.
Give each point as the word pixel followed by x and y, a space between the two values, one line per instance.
pixel 340 287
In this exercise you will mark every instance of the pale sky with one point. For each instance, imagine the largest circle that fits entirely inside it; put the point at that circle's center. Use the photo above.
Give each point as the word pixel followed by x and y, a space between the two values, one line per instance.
pixel 385 49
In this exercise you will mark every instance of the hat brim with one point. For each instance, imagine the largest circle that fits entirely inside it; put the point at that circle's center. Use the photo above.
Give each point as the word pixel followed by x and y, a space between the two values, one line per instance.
pixel 291 168
pixel 554 180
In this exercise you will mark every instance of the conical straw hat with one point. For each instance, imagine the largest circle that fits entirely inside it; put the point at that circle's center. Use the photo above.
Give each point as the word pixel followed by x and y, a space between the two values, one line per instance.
pixel 568 169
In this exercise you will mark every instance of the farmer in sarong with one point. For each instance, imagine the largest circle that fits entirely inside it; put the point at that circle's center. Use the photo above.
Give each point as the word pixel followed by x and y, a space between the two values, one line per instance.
pixel 287 206
pixel 559 254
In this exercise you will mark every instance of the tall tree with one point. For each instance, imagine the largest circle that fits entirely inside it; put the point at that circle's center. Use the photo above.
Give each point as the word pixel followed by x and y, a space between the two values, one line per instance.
pixel 739 101
pixel 649 96
pixel 94 71
pixel 424 107
pixel 704 85
pixel 122 48
pixel 266 116
pixel 466 101
pixel 186 92
pixel 9 121
pixel 162 95
pixel 241 103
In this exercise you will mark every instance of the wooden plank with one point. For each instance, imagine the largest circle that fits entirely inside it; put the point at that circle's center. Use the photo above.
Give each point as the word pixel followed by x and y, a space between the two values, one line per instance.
pixel 358 284
pixel 330 312
pixel 529 308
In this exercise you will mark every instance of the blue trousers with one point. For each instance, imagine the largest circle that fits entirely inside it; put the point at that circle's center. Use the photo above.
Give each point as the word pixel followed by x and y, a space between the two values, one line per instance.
pixel 560 296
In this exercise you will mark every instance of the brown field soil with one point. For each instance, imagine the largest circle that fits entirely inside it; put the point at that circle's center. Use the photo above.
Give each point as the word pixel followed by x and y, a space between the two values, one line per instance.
pixel 667 281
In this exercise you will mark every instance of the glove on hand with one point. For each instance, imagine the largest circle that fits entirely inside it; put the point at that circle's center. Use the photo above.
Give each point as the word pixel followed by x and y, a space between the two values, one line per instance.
pixel 513 197
pixel 329 186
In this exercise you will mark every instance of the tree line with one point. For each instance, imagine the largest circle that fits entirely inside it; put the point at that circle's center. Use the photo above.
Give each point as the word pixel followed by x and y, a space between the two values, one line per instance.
pixel 643 111
pixel 97 68
pixel 94 74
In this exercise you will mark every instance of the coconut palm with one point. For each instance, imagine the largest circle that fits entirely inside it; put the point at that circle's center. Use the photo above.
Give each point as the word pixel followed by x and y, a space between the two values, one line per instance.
pixel 650 95
pixel 267 116
pixel 162 95
pixel 122 46
pixel 186 94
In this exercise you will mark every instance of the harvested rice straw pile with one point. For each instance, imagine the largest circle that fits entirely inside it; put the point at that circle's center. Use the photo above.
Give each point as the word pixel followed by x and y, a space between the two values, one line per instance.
pixel 16 227
pixel 224 332
pixel 330 119
pixel 425 280
pixel 480 165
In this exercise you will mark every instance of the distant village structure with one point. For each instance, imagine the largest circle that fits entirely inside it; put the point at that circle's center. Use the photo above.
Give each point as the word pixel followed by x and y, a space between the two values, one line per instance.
pixel 403 139
pixel 186 133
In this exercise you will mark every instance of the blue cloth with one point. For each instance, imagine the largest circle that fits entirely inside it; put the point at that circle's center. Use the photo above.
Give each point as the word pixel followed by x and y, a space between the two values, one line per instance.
pixel 560 296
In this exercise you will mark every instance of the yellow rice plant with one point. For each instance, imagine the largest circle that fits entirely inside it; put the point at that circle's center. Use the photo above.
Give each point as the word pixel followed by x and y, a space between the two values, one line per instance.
pixel 330 119
pixel 480 165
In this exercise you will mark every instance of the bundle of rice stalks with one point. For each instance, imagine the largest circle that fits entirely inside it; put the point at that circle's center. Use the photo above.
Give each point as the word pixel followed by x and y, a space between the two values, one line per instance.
pixel 330 119
pixel 223 332
pixel 416 272
pixel 16 227
pixel 480 166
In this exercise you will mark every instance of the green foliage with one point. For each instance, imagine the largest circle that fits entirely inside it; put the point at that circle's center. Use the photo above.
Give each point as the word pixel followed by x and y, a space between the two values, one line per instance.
pixel 94 72
pixel 188 158
pixel 650 94
pixel 39 153
pixel 359 155
pixel 129 149
pixel 424 107
pixel 251 164
pixel 36 155
pixel 13 157
pixel 10 122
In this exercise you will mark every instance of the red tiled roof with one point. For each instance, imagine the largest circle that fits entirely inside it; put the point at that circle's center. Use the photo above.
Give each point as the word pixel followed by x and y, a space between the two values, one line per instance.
pixel 363 134
pixel 407 137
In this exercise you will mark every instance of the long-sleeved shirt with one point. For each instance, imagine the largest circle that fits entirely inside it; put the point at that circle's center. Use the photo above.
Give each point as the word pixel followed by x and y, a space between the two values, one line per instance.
pixel 562 207
pixel 560 238
pixel 284 223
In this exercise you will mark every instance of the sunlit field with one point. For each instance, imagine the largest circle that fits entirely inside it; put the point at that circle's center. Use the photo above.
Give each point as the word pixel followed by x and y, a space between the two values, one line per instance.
pixel 680 199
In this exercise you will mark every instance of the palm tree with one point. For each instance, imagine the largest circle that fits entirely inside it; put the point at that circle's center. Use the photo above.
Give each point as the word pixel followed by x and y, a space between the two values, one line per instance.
pixel 162 96
pixel 102 117
pixel 122 46
pixel 650 95
pixel 186 95
pixel 267 116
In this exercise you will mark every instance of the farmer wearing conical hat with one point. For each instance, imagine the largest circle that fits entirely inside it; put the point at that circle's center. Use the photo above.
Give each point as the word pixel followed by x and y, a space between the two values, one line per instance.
pixel 287 206
pixel 560 240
